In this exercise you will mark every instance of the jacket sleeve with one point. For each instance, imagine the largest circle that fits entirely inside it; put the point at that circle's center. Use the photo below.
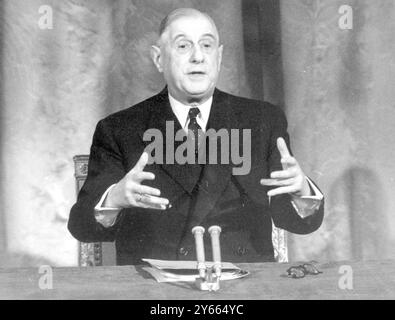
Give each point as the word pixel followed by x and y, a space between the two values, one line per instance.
pixel 104 169
pixel 283 213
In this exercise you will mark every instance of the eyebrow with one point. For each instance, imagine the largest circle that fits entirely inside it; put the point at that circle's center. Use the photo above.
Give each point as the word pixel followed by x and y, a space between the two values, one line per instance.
pixel 181 35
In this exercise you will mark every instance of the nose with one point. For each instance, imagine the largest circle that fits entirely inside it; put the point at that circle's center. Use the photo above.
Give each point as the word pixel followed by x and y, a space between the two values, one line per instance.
pixel 197 55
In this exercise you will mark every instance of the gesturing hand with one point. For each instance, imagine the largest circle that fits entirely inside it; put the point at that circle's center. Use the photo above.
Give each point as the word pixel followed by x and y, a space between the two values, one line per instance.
pixel 129 192
pixel 289 180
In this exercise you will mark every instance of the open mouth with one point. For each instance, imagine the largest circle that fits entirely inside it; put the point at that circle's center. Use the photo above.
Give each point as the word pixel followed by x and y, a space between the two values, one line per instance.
pixel 196 73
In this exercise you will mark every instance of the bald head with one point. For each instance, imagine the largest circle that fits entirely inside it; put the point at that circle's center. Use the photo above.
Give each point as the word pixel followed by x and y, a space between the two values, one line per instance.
pixel 181 13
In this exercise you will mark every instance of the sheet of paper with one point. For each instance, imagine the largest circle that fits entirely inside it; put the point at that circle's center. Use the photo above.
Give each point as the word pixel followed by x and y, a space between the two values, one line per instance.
pixel 187 265
pixel 174 271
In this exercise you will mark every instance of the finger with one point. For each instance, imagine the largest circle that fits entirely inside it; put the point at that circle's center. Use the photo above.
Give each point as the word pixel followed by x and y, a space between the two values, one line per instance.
pixel 289 162
pixel 282 190
pixel 147 190
pixel 277 182
pixel 140 165
pixel 152 200
pixel 282 148
pixel 149 206
pixel 142 175
pixel 283 174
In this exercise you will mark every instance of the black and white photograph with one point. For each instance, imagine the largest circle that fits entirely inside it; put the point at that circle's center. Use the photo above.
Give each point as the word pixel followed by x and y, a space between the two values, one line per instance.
pixel 209 151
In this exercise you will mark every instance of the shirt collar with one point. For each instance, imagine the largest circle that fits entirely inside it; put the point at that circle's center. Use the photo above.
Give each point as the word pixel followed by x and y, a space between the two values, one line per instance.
pixel 181 111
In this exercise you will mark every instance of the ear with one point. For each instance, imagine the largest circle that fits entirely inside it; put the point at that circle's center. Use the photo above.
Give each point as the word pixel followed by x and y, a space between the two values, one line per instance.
pixel 220 50
pixel 156 57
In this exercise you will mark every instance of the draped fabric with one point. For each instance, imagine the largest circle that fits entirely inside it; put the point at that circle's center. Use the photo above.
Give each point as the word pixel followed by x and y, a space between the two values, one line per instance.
pixel 335 85
pixel 339 97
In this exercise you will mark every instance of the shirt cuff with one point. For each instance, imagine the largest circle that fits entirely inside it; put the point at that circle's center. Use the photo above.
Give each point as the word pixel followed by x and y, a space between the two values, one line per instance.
pixel 306 205
pixel 104 215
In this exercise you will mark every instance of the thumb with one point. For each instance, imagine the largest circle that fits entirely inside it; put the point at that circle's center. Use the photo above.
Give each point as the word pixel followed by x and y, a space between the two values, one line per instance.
pixel 140 165
pixel 282 148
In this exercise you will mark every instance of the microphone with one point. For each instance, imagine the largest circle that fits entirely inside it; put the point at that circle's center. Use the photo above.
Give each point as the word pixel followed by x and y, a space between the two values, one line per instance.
pixel 198 232
pixel 214 233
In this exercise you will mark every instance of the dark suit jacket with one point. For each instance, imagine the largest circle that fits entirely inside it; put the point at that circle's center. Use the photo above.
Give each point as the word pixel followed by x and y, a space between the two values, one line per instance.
pixel 200 195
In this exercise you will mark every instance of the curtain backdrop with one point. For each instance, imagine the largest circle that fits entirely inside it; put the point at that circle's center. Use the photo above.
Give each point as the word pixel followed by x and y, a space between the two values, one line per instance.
pixel 335 85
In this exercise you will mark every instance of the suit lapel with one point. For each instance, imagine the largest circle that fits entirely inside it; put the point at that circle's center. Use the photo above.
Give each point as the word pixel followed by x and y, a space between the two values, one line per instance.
pixel 185 175
pixel 214 177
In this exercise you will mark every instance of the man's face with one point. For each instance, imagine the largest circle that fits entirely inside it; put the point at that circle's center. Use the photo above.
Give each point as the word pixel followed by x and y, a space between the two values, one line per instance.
pixel 190 58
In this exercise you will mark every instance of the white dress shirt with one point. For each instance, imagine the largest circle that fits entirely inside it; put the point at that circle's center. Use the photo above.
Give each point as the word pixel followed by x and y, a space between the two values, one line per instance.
pixel 304 206
pixel 181 111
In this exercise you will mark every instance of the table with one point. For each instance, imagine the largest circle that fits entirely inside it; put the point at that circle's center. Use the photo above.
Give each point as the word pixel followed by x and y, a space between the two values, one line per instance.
pixel 370 280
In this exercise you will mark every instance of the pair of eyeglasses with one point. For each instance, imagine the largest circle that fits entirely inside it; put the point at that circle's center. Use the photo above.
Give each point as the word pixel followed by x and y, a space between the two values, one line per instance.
pixel 302 270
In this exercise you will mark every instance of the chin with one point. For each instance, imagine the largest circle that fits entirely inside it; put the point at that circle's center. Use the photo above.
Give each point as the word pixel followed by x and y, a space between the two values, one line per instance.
pixel 199 91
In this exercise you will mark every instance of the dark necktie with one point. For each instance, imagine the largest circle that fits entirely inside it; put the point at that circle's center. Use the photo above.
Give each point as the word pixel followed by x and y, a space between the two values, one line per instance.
pixel 194 130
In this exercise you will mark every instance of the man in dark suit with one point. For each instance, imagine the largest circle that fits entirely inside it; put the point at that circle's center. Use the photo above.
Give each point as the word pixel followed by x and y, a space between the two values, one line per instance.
pixel 149 208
